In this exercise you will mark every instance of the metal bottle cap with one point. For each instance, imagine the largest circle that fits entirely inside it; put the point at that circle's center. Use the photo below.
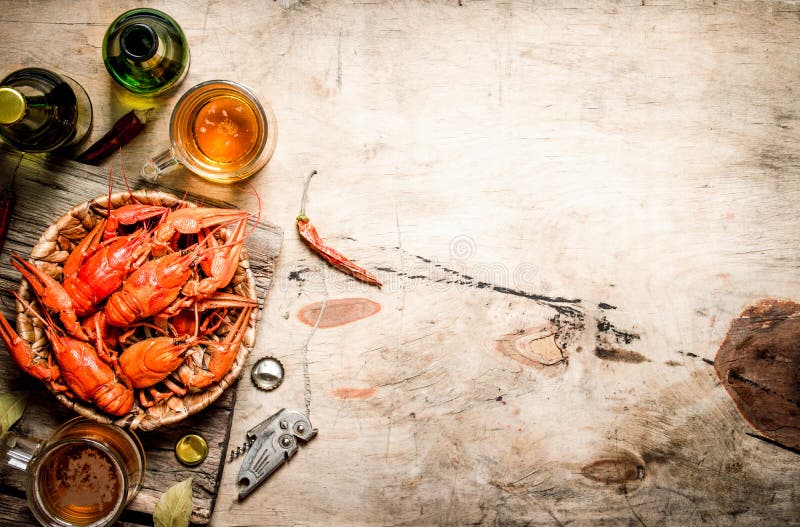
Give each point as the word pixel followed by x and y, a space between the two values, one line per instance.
pixel 191 449
pixel 267 373
pixel 12 106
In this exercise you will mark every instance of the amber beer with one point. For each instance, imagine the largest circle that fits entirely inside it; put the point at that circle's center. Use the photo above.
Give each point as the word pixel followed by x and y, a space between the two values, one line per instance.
pixel 220 131
pixel 225 132
pixel 85 474
pixel 79 483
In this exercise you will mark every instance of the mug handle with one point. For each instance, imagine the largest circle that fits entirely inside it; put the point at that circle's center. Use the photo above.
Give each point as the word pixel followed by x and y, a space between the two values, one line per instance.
pixel 18 449
pixel 159 165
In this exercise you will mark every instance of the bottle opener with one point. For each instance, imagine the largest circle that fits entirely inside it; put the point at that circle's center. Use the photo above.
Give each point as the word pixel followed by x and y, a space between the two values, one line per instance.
pixel 269 445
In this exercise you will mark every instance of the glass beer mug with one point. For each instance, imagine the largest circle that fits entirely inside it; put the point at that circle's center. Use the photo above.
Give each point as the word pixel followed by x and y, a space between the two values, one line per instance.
pixel 85 474
pixel 220 131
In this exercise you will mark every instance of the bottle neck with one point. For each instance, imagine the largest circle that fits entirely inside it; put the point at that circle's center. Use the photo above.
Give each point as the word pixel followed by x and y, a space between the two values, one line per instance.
pixel 140 44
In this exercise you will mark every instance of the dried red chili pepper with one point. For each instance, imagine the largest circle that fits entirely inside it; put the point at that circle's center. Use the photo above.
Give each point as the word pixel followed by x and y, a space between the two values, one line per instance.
pixel 123 131
pixel 309 233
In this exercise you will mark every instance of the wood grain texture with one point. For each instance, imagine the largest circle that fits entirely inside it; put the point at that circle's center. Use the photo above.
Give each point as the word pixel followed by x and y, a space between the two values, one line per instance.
pixel 621 173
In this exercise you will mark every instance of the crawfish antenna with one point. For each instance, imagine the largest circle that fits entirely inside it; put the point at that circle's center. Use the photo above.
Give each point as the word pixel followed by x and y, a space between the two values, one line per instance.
pixel 186 192
pixel 29 307
pixel 260 206
pixel 125 178
pixel 110 186
pixel 211 234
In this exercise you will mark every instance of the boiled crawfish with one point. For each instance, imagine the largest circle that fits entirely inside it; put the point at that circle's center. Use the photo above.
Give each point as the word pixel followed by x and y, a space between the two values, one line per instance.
pixel 115 283
pixel 130 215
pixel 93 272
pixel 79 366
pixel 150 361
pixel 220 359
pixel 51 294
pixel 151 288
pixel 154 286
pixel 193 220
pixel 22 353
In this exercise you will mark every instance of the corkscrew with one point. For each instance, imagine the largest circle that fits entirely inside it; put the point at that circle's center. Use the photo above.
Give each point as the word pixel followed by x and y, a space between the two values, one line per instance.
pixel 241 449
pixel 269 445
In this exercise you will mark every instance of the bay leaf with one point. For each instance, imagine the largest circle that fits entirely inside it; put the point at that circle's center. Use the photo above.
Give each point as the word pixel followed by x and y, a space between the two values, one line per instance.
pixel 175 506
pixel 12 404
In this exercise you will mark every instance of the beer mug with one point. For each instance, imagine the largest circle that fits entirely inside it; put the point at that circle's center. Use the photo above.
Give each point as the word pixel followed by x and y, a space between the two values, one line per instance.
pixel 220 131
pixel 85 474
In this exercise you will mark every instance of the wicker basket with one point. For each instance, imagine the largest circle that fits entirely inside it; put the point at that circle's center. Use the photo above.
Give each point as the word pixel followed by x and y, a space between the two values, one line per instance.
pixel 50 253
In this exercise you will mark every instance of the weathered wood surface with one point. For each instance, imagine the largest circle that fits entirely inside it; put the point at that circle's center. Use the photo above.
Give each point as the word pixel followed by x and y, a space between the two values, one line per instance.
pixel 44 191
pixel 568 204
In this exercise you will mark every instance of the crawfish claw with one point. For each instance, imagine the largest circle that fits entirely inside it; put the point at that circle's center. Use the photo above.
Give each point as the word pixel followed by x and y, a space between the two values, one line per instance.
pixel 52 295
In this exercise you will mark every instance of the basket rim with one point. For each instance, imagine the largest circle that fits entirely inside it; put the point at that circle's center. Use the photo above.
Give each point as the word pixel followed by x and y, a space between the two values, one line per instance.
pixel 48 256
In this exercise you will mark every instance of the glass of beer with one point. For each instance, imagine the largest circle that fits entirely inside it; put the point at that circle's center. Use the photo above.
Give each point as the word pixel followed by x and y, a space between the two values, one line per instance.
pixel 84 475
pixel 220 131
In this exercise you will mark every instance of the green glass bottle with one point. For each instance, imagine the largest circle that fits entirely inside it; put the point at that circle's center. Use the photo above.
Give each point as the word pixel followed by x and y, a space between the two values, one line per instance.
pixel 146 52
pixel 42 111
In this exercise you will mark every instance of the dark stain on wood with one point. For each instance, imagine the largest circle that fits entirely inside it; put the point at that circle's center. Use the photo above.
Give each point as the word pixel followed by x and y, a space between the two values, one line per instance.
pixel 611 342
pixel 452 276
pixel 775 159
pixel 338 312
pixel 615 471
pixel 696 356
pixel 771 442
pixel 570 327
pixel 619 355
pixel 759 366
pixel 536 346
pixel 604 326
pixel 297 276
pixel 570 317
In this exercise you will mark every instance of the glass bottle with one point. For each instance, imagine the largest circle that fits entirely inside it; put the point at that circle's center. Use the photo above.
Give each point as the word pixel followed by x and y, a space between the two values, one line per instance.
pixel 41 111
pixel 146 52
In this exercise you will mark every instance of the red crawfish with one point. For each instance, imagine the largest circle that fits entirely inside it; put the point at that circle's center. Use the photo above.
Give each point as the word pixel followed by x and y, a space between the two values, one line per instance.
pixel 92 272
pixel 51 294
pixel 80 367
pixel 151 288
pixel 221 357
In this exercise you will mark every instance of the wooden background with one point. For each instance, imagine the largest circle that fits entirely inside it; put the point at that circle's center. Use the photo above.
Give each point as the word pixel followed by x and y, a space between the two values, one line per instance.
pixel 568 202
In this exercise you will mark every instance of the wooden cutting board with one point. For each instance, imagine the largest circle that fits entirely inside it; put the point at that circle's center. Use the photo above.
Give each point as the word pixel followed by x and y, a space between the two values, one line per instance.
pixel 44 190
